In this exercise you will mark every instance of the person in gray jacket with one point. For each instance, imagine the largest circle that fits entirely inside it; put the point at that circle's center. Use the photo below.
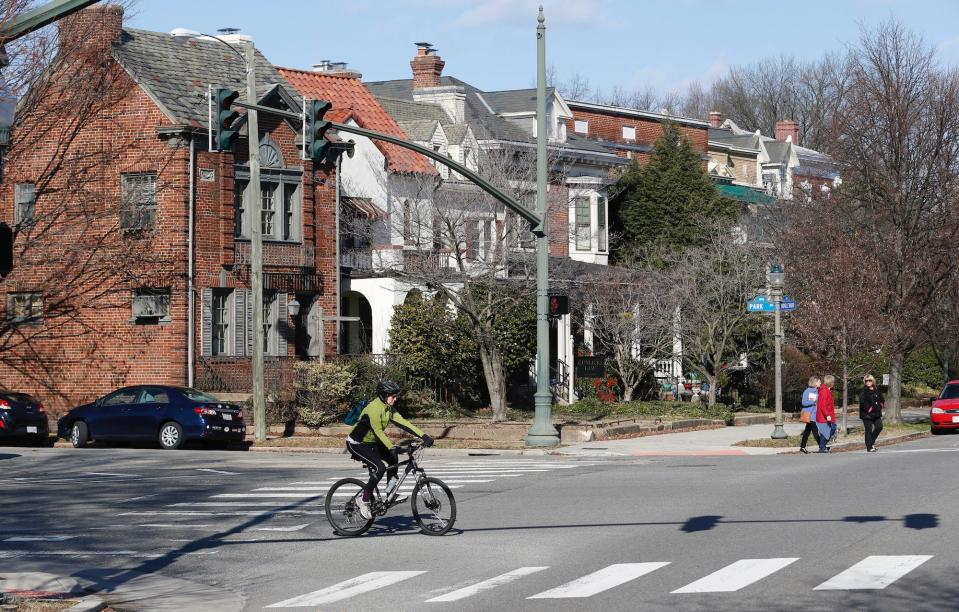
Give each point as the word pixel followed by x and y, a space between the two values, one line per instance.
pixel 808 403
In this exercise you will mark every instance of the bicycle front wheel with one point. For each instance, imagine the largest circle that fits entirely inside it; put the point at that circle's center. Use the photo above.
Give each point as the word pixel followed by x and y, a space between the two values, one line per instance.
pixel 342 510
pixel 433 506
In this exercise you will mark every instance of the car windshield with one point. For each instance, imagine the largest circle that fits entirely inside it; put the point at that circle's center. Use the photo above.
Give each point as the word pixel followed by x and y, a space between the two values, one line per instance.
pixel 197 396
pixel 950 392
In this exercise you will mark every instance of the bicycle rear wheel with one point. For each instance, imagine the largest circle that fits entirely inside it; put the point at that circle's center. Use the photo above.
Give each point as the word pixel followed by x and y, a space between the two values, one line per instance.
pixel 433 506
pixel 342 510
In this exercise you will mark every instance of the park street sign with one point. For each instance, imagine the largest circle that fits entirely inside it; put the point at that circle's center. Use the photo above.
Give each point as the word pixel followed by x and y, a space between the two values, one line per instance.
pixel 763 304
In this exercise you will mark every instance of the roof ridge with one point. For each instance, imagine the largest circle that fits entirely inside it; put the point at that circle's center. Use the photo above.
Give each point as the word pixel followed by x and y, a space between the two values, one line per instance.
pixel 334 75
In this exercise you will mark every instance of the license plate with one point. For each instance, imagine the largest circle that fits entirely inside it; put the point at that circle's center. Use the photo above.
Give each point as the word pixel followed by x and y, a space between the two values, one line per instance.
pixel 227 417
pixel 955 419
pixel 33 428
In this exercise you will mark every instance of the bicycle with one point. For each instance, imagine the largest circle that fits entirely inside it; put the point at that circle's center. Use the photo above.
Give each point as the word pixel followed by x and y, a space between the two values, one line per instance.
pixel 435 517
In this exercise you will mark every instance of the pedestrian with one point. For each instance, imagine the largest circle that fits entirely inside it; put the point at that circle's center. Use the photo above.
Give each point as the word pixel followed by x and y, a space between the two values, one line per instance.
pixel 826 412
pixel 808 413
pixel 870 411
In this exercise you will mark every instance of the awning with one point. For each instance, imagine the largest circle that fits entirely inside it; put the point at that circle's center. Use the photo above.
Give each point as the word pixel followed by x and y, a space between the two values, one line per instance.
pixel 743 193
pixel 365 207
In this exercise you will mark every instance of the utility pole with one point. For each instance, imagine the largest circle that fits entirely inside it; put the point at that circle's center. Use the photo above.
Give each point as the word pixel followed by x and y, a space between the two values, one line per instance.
pixel 542 432
pixel 256 248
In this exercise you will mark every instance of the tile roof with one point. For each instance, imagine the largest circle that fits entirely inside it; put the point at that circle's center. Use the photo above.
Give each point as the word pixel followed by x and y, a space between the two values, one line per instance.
pixel 352 99
pixel 176 73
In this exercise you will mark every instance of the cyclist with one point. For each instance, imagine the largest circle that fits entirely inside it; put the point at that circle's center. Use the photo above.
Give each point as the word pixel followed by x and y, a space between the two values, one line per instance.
pixel 369 443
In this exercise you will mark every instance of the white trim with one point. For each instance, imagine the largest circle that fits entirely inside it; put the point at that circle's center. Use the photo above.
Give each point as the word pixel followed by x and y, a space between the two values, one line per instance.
pixel 639 113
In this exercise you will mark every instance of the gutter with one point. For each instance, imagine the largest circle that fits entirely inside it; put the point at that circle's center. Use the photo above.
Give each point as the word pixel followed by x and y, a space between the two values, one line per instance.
pixel 191 323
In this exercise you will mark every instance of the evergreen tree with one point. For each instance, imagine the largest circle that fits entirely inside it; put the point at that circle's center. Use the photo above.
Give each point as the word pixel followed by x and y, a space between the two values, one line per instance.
pixel 664 204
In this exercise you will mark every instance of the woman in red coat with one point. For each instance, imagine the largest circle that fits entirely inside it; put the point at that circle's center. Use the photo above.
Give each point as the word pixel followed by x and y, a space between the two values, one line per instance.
pixel 826 412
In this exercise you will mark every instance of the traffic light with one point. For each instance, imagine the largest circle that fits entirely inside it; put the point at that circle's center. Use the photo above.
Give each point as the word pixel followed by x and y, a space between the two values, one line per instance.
pixel 6 249
pixel 225 118
pixel 318 128
pixel 558 305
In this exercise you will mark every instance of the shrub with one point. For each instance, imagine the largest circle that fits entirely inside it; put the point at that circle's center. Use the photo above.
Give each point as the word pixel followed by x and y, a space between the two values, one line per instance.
pixel 588 406
pixel 321 391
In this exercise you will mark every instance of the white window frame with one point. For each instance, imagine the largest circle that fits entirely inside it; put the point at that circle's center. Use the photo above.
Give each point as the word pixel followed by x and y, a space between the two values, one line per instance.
pixel 583 233
pixel 25 200
pixel 287 225
pixel 271 322
pixel 629 132
pixel 221 329
pixel 602 224
pixel 138 201
pixel 31 302
pixel 580 126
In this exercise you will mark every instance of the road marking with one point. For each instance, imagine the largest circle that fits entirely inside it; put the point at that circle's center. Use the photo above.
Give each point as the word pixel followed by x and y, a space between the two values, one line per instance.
pixel 326 488
pixel 737 575
pixel 227 503
pixel 214 513
pixel 875 572
pixel 130 499
pixel 290 528
pixel 216 471
pixel 486 585
pixel 404 488
pixel 600 581
pixel 108 474
pixel 8 554
pixel 346 589
pixel 44 538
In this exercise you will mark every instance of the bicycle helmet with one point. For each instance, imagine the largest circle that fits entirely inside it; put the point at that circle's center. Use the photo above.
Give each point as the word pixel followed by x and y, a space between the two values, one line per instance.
pixel 386 388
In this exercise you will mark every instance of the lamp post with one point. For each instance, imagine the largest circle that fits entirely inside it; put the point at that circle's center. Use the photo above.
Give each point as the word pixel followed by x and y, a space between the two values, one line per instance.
pixel 775 279
pixel 256 236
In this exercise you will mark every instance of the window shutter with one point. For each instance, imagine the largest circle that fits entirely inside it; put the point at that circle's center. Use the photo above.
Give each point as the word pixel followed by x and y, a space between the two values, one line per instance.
pixel 283 324
pixel 206 321
pixel 239 321
pixel 249 323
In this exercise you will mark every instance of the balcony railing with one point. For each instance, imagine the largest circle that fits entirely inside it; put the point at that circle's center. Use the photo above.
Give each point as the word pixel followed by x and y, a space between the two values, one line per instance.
pixel 277 254
pixel 358 260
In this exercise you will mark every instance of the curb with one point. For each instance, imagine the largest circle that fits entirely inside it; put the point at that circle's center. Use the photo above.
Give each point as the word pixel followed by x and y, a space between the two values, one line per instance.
pixel 847 447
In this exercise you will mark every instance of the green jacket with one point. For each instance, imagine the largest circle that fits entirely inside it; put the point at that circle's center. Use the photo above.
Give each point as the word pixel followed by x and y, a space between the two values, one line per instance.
pixel 375 418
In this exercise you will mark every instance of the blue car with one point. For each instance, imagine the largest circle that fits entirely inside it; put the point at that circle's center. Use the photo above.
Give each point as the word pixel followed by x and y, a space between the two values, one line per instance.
pixel 22 417
pixel 170 415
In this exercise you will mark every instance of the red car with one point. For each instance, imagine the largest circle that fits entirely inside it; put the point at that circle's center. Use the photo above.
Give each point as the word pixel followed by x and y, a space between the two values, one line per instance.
pixel 944 413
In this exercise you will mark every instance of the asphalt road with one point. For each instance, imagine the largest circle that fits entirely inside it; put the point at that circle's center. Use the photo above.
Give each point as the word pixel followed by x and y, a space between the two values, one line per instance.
pixel 236 530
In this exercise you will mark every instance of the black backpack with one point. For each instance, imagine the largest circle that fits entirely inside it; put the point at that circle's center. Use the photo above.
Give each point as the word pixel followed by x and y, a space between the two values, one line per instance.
pixel 353 416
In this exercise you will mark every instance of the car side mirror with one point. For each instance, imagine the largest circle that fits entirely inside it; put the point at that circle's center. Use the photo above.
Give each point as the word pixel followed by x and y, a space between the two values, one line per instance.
pixel 932 400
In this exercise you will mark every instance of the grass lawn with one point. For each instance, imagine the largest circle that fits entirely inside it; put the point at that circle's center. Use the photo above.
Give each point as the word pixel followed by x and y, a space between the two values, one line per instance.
pixel 841 438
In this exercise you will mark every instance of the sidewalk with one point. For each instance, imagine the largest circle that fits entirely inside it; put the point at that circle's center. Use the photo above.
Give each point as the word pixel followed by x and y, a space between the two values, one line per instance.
pixel 689 443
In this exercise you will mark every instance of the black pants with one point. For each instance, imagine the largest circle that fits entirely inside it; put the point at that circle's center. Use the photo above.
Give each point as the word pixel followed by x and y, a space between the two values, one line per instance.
pixel 873 428
pixel 376 456
pixel 810 429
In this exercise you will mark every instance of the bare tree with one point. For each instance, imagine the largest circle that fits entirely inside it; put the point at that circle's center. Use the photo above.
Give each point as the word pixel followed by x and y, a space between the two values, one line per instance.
pixel 897 141
pixel 710 287
pixel 82 244
pixel 631 318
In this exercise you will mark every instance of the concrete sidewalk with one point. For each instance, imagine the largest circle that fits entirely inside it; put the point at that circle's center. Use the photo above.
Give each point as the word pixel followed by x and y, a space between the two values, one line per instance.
pixel 693 443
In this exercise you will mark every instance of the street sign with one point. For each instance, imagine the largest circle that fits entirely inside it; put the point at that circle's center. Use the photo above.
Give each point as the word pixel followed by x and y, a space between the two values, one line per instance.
pixel 760 303
pixel 764 304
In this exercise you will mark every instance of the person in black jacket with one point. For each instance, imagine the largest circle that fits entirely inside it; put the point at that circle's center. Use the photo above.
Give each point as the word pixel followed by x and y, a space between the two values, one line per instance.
pixel 870 411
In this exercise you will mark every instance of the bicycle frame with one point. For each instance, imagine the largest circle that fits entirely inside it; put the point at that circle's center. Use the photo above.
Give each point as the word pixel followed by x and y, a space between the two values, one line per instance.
pixel 380 506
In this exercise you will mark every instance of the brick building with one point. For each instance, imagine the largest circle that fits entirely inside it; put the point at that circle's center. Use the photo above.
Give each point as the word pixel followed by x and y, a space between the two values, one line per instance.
pixel 630 132
pixel 132 251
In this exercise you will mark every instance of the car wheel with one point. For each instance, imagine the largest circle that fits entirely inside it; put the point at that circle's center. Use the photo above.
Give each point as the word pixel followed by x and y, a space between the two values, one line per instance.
pixel 79 435
pixel 171 435
pixel 935 431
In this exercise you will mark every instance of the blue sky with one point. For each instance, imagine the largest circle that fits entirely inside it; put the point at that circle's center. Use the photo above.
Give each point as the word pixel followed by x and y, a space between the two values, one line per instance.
pixel 491 43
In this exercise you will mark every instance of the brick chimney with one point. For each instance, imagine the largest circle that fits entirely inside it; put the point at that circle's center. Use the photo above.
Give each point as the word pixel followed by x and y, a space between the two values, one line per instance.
pixel 788 130
pixel 715 119
pixel 427 66
pixel 95 28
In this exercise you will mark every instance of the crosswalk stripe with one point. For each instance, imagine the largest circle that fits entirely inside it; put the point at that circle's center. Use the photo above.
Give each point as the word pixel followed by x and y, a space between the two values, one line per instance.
pixel 346 589
pixel 43 538
pixel 875 572
pixel 600 581
pixel 486 585
pixel 211 512
pixel 304 496
pixel 737 575
pixel 322 488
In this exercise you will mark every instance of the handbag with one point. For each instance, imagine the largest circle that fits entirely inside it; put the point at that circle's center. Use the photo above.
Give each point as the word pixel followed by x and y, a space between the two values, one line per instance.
pixel 805 416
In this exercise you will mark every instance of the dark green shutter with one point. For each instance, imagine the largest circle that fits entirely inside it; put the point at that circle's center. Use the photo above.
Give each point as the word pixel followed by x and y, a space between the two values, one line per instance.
pixel 206 321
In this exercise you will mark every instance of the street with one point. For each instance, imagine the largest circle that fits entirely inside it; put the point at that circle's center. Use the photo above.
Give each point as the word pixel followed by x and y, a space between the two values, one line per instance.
pixel 222 530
